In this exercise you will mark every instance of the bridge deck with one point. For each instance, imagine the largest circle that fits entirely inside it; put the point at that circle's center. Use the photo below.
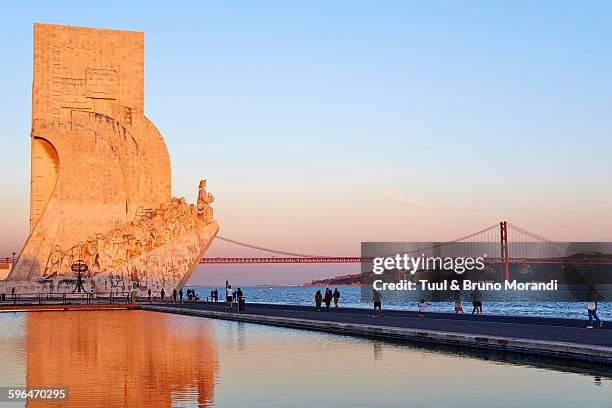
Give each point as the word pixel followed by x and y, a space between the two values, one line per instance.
pixel 565 338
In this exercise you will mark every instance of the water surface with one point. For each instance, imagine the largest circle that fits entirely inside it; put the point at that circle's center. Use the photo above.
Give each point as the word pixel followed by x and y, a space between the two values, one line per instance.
pixel 139 358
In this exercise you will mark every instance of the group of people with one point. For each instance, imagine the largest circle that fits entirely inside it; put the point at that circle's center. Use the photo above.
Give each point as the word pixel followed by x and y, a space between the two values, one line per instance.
pixel 327 299
pixel 593 297
pixel 214 295
pixel 231 296
pixel 475 296
pixel 177 296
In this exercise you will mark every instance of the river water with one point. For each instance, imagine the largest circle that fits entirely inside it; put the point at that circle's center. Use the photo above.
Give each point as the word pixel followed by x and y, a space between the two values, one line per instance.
pixel 351 297
pixel 148 359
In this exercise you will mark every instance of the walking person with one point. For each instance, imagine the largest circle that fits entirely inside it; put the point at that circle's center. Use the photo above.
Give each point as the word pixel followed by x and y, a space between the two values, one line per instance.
pixel 593 298
pixel 377 300
pixel 476 301
pixel 318 300
pixel 174 295
pixel 229 293
pixel 458 306
pixel 422 307
pixel 163 295
pixel 336 297
pixel 327 299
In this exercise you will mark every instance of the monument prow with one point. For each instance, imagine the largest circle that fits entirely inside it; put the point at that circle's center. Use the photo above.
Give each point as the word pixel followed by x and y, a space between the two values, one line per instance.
pixel 101 176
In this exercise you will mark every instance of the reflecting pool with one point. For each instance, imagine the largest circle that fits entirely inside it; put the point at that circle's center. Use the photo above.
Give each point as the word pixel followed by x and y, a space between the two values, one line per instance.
pixel 148 359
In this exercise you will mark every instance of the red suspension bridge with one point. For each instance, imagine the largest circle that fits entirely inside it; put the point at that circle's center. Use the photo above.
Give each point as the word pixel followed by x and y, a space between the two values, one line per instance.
pixel 504 243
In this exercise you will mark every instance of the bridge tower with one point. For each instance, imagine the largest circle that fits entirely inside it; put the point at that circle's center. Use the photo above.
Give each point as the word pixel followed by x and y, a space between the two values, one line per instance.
pixel 503 256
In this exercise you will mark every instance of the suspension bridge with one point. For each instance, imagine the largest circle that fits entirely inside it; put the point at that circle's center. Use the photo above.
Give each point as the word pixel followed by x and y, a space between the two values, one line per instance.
pixel 504 243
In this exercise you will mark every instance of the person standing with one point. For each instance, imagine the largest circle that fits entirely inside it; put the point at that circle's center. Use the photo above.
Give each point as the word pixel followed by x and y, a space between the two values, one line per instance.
pixel 336 297
pixel 163 295
pixel 149 294
pixel 422 307
pixel 229 293
pixel 592 299
pixel 458 306
pixel 216 295
pixel 174 295
pixel 327 299
pixel 181 296
pixel 377 300
pixel 476 301
pixel 318 300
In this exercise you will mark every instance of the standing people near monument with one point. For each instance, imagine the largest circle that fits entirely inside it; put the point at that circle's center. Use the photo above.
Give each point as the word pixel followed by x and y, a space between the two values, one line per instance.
pixel 377 300
pixel 174 295
pixel 327 299
pixel 593 298
pixel 318 300
pixel 476 301
pixel 336 297
pixel 181 296
pixel 422 307
pixel 216 295
pixel 149 294
pixel 163 295
pixel 229 293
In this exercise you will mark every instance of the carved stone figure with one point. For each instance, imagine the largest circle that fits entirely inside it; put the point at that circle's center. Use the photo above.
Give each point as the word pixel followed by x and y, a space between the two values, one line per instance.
pixel 71 255
pixel 90 255
pixel 205 212
pixel 53 266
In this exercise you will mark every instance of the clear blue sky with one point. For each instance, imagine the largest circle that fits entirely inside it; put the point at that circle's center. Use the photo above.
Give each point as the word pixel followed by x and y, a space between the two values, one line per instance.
pixel 320 124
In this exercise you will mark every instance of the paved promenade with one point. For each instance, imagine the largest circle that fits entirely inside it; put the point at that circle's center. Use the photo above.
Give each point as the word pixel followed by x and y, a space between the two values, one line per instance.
pixel 554 337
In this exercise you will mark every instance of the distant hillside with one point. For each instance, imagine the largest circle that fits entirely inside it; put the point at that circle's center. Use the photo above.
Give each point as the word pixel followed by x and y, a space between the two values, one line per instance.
pixel 354 280
pixel 345 280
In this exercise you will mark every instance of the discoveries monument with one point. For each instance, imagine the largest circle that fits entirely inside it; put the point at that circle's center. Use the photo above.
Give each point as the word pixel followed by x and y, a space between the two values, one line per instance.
pixel 101 185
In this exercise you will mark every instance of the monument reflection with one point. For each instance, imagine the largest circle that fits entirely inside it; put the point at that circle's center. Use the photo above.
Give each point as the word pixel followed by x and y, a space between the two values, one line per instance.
pixel 105 359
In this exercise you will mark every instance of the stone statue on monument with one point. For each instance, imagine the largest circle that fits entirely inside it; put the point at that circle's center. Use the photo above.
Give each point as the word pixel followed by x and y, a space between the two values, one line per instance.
pixel 205 211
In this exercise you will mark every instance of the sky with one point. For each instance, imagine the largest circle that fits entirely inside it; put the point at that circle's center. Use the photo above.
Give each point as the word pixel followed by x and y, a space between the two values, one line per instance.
pixel 322 124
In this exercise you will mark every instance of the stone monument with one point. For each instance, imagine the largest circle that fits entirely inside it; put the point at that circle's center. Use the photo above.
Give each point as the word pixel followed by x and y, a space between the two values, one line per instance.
pixel 101 185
